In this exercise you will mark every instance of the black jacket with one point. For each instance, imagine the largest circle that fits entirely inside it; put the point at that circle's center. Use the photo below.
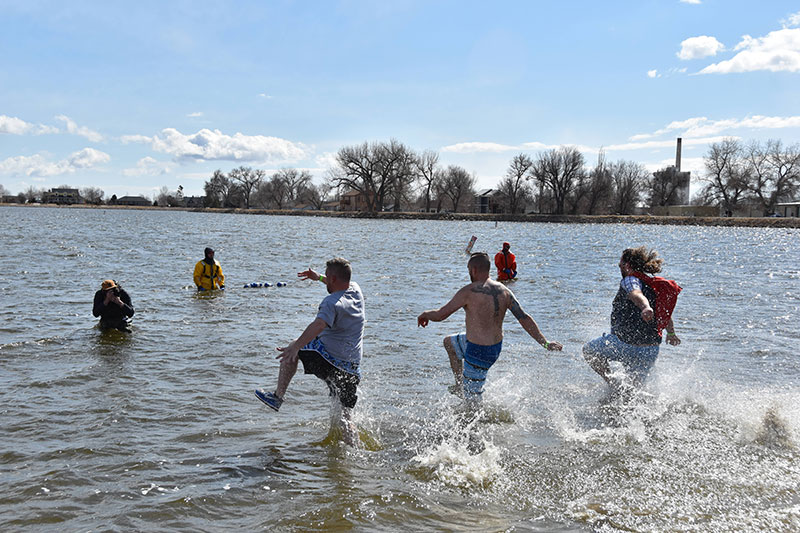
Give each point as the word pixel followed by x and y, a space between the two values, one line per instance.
pixel 112 315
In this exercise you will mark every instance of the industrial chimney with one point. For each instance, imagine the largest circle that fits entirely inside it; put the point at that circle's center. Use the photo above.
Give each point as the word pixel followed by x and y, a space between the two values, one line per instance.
pixel 678 156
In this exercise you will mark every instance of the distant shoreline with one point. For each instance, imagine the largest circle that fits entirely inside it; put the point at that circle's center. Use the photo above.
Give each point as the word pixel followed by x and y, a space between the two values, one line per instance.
pixel 754 222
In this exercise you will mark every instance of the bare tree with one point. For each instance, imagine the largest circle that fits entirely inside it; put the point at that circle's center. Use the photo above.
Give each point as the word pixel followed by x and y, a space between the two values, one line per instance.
pixel 274 192
pixel 32 195
pixel 379 171
pixel 315 195
pixel 294 182
pixel 92 195
pixel 726 172
pixel 774 172
pixel 630 180
pixel 427 164
pixel 458 185
pixel 599 188
pixel 221 191
pixel 166 198
pixel 4 191
pixel 358 171
pixel 248 180
pixel 558 170
pixel 515 184
pixel 396 164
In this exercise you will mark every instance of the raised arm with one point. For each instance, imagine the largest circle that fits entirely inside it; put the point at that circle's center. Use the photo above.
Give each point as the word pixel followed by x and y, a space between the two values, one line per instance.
pixel 456 302
pixel 530 325
pixel 310 274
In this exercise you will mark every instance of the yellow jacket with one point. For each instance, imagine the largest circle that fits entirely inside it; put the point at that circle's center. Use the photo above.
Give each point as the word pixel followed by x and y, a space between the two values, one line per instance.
pixel 208 277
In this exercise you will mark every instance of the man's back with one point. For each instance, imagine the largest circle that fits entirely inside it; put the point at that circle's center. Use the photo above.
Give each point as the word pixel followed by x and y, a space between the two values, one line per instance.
pixel 486 305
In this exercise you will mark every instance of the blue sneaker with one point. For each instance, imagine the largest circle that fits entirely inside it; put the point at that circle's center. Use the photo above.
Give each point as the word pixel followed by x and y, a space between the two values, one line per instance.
pixel 269 398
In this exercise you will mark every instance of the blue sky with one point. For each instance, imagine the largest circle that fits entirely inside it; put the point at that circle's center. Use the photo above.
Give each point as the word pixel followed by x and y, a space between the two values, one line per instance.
pixel 132 96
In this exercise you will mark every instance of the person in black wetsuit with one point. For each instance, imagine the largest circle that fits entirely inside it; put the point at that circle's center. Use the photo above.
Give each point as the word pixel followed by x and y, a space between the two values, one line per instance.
pixel 113 305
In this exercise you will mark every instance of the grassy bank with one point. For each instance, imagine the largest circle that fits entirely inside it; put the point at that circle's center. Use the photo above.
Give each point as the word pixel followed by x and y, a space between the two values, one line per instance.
pixel 757 222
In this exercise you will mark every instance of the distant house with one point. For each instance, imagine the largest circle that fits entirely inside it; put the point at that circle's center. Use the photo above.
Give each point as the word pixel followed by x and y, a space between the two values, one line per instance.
pixel 788 209
pixel 194 201
pixel 62 197
pixel 10 199
pixel 331 206
pixel 354 201
pixel 133 200
pixel 490 201
pixel 303 207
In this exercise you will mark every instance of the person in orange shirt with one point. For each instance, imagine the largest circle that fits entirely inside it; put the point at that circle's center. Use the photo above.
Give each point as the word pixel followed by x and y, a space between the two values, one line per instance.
pixel 506 263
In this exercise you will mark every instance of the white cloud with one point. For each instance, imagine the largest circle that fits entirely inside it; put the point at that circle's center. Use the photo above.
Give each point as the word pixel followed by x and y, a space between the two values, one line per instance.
pixel 38 165
pixel 127 139
pixel 83 131
pixel 17 126
pixel 698 47
pixel 693 2
pixel 472 147
pixel 778 51
pixel 214 145
pixel 265 95
pixel 792 20
pixel 196 114
pixel 652 145
pixel 652 73
pixel 147 166
pixel 326 160
pixel 702 126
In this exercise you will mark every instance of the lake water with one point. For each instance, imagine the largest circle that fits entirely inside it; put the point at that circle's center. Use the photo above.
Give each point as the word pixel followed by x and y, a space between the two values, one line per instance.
pixel 159 429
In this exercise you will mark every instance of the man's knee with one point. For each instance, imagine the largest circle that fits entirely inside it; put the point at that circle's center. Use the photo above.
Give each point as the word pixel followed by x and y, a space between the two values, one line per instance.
pixel 287 365
pixel 448 343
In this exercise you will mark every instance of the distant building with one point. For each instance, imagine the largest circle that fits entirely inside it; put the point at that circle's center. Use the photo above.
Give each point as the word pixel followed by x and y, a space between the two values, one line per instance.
pixel 62 197
pixel 331 206
pixel 194 201
pixel 788 209
pixel 354 201
pixel 133 200
pixel 490 201
pixel 10 199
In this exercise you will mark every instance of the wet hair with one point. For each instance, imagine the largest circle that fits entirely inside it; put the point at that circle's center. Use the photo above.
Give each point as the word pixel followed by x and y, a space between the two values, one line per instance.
pixel 340 267
pixel 479 261
pixel 643 260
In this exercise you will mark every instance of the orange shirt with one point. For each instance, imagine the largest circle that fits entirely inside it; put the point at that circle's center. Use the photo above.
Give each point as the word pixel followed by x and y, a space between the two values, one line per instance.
pixel 505 261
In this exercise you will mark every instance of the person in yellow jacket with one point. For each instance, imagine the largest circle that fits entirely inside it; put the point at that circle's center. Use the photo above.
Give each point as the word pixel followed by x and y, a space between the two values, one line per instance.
pixel 208 274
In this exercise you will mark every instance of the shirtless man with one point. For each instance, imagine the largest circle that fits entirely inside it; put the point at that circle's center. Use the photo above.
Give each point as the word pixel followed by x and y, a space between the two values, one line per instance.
pixel 485 302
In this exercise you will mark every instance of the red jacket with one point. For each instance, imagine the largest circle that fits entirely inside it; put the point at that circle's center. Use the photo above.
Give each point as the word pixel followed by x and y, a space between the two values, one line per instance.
pixel 666 297
pixel 505 261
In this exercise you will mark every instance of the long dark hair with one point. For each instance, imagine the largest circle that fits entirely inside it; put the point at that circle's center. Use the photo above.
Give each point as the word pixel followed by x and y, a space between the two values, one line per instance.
pixel 643 260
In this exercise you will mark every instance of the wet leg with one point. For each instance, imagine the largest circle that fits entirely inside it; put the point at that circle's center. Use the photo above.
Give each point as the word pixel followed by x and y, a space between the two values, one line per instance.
pixel 285 376
pixel 456 364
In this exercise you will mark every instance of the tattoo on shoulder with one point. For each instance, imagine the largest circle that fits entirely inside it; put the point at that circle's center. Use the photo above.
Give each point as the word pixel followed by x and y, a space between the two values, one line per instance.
pixel 516 309
pixel 494 292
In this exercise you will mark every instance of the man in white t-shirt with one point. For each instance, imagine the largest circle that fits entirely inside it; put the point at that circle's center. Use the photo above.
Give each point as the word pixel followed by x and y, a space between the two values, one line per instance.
pixel 331 346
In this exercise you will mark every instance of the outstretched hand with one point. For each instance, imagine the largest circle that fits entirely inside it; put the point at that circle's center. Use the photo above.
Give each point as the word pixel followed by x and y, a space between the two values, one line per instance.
pixel 554 346
pixel 308 274
pixel 422 320
pixel 673 339
pixel 647 314
pixel 288 354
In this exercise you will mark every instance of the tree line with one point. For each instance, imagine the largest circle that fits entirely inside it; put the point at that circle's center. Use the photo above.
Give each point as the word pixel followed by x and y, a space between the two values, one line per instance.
pixel 391 176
